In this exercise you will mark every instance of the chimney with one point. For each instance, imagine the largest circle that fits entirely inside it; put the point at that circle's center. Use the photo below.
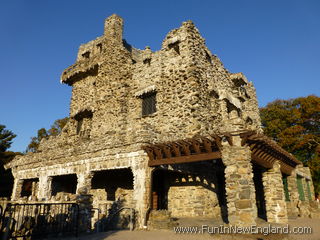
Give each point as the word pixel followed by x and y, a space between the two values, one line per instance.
pixel 113 28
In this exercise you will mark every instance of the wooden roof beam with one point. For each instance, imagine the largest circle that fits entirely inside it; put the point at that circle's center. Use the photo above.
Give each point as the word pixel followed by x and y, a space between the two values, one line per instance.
pixel 186 159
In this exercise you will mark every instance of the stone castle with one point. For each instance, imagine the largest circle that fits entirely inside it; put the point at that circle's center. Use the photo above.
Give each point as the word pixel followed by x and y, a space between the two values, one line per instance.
pixel 168 130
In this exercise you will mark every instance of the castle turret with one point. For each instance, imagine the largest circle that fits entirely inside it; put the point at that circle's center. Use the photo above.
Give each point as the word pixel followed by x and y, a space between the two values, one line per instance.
pixel 113 28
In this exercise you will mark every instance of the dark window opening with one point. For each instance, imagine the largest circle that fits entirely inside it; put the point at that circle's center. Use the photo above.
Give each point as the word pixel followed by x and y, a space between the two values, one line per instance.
pixel 84 120
pixel 29 187
pixel 79 125
pixel 249 121
pixel 112 181
pixel 64 183
pixel 175 46
pixel 233 109
pixel 148 103
pixel 86 55
pixel 208 57
pixel 147 61
pixel 214 94
pixel 99 46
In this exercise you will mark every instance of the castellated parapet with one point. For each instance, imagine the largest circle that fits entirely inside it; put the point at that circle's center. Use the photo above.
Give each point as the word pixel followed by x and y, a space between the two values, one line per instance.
pixel 180 104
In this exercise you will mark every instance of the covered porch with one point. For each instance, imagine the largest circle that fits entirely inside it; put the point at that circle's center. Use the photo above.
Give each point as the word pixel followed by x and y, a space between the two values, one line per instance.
pixel 235 176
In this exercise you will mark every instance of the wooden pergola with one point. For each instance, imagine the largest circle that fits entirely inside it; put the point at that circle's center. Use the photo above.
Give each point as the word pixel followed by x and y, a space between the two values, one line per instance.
pixel 264 150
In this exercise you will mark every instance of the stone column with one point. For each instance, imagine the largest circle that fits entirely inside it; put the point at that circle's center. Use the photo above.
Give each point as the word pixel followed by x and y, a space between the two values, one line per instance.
pixel 309 179
pixel 84 182
pixel 84 201
pixel 274 195
pixel 45 185
pixel 241 200
pixel 35 191
pixel 293 194
pixel 141 189
pixel 17 188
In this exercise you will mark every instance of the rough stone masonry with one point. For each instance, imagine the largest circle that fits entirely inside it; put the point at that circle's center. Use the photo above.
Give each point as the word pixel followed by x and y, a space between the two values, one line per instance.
pixel 170 132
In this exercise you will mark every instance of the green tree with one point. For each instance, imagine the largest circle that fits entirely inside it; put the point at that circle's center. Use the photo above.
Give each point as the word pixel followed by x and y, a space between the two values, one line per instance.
pixel 295 125
pixel 57 126
pixel 6 137
pixel 55 130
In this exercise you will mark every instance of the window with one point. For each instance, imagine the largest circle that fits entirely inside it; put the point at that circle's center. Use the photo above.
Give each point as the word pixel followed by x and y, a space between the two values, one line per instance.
pixel 175 46
pixel 79 125
pixel 99 47
pixel 86 55
pixel 148 103
pixel 83 120
pixel 29 187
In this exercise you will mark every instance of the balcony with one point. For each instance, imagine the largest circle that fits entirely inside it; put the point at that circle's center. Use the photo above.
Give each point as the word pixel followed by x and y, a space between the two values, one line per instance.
pixel 79 70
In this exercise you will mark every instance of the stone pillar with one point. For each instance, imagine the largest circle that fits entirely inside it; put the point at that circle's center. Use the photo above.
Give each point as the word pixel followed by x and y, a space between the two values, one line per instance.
pixel 84 201
pixel 141 189
pixel 35 191
pixel 274 195
pixel 17 188
pixel 45 185
pixel 293 194
pixel 309 179
pixel 241 200
pixel 84 182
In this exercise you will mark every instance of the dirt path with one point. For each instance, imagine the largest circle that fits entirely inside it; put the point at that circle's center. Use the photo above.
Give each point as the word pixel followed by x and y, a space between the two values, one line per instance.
pixel 314 224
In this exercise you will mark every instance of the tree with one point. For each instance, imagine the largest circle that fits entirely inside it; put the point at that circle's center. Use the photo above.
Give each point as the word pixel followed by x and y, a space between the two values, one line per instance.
pixel 55 130
pixel 6 178
pixel 295 125
pixel 6 137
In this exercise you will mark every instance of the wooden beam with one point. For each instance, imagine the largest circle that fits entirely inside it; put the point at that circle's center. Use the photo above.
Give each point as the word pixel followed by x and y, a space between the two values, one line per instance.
pixel 256 158
pixel 176 149
pixel 166 149
pixel 158 152
pixel 217 141
pixel 196 145
pixel 186 159
pixel 149 152
pixel 185 147
pixel 207 144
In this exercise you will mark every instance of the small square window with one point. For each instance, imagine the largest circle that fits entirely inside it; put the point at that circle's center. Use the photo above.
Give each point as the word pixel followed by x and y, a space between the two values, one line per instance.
pixel 86 55
pixel 148 103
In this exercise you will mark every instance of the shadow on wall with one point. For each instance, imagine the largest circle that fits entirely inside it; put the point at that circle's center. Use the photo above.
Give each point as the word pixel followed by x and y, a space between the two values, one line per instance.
pixel 118 218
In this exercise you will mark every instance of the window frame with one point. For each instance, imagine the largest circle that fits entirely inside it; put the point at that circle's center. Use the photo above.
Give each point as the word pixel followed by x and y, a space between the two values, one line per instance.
pixel 148 103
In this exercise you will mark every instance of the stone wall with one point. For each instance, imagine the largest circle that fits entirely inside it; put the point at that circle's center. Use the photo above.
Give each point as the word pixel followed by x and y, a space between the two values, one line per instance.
pixel 193 201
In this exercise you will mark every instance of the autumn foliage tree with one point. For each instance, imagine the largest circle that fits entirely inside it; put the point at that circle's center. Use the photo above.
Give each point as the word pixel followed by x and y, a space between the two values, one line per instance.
pixel 55 129
pixel 295 125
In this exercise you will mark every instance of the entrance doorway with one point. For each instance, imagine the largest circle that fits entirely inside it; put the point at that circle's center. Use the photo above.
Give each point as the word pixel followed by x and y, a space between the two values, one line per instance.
pixel 258 184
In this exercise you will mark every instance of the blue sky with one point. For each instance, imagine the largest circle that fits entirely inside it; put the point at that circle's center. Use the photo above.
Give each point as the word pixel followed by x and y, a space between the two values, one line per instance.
pixel 276 44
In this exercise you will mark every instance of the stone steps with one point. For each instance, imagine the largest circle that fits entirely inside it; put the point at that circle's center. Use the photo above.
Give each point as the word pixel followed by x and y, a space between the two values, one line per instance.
pixel 161 219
